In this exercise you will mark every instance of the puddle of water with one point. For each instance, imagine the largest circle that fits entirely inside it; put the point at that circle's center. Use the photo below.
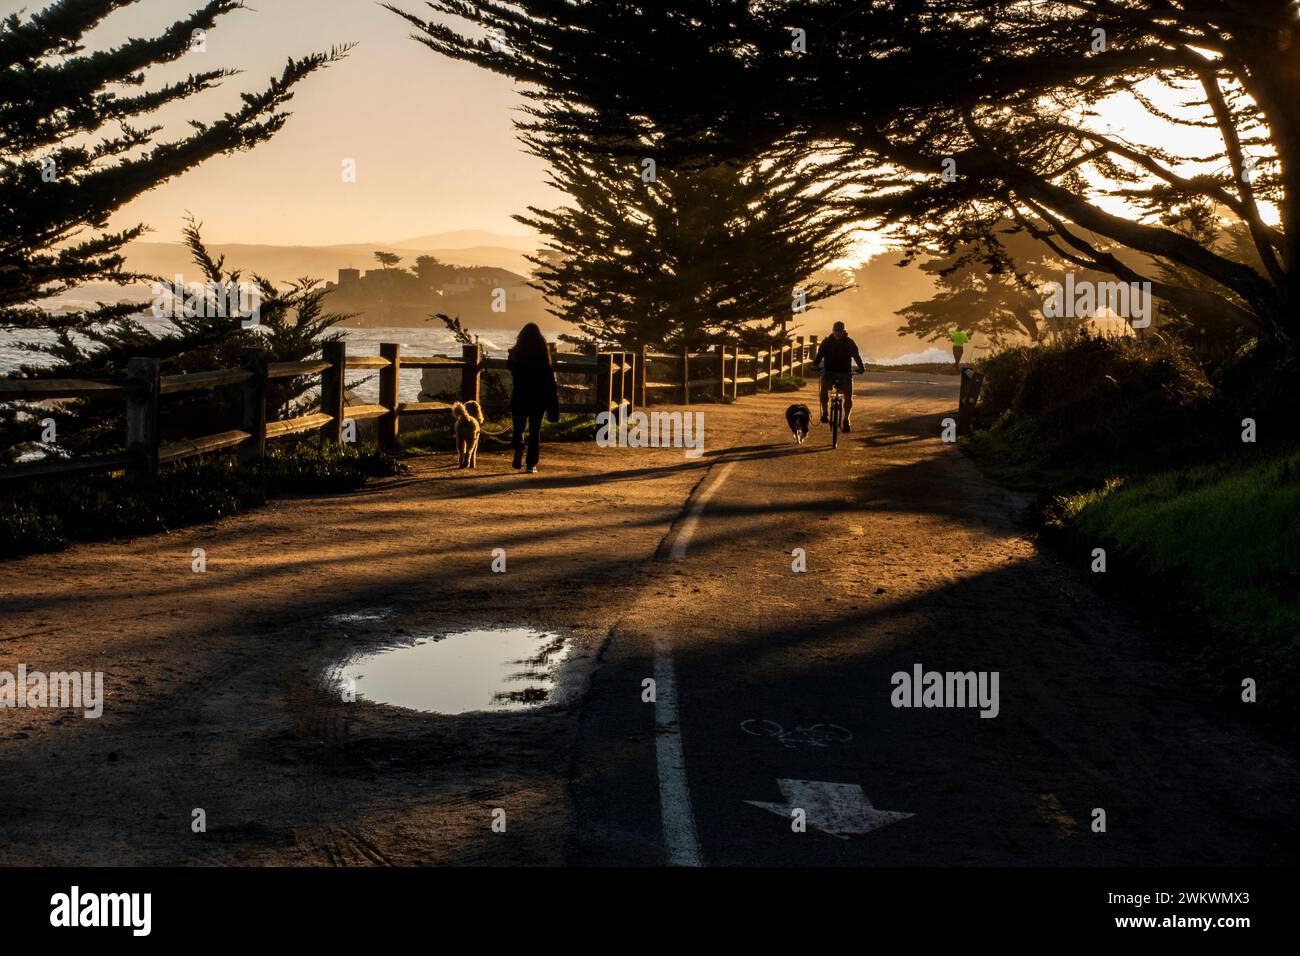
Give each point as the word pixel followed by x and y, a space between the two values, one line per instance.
pixel 497 669
pixel 360 617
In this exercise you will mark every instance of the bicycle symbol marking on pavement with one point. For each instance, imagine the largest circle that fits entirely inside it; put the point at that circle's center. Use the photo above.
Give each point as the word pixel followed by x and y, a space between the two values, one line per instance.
pixel 817 735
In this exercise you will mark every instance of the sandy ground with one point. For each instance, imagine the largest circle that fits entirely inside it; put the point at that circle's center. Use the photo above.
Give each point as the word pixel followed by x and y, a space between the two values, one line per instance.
pixel 218 692
pixel 216 697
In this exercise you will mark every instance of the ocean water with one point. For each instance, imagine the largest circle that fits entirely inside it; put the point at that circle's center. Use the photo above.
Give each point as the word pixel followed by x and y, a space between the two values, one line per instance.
pixel 366 341
pixel 365 384
pixel 932 354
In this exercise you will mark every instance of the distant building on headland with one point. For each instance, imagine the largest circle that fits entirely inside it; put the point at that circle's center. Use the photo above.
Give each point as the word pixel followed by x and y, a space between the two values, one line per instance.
pixel 410 297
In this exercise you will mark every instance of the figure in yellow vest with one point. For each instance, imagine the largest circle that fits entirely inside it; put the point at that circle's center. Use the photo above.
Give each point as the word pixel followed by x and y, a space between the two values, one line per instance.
pixel 959 340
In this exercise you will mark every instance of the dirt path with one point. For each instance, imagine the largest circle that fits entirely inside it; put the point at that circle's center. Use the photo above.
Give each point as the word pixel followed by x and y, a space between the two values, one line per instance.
pixel 213 680
pixel 216 698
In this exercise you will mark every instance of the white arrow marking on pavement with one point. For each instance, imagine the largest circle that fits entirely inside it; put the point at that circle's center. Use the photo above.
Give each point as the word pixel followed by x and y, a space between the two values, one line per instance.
pixel 835 808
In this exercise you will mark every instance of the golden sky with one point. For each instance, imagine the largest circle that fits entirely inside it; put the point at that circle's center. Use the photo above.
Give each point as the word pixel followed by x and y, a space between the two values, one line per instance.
pixel 432 138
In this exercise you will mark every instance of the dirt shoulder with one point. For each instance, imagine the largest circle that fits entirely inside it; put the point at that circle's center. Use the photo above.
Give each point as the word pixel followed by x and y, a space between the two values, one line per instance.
pixel 215 696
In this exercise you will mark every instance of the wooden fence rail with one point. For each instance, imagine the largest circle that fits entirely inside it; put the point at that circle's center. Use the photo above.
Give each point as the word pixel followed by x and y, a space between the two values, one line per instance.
pixel 620 381
pixel 759 371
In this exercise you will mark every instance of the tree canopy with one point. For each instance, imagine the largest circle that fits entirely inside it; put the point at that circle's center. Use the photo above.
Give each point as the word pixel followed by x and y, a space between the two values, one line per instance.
pixel 687 256
pixel 72 152
pixel 77 144
pixel 670 239
pixel 966 113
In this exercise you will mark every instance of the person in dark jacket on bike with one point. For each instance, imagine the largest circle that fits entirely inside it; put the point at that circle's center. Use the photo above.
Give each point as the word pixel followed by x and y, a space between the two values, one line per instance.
pixel 533 394
pixel 839 353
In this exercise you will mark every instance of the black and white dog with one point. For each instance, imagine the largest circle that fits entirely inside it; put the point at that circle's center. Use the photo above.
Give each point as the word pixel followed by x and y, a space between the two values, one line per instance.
pixel 798 418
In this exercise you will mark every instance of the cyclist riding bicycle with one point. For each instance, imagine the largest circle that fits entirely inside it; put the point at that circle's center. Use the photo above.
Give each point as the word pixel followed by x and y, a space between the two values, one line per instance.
pixel 840 353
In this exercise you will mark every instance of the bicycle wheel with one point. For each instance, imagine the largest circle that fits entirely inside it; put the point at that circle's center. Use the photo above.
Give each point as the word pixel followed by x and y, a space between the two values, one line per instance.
pixel 762 728
pixel 823 734
pixel 835 422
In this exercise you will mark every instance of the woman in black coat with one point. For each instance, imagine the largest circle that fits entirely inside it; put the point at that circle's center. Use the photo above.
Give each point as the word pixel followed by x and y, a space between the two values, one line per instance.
pixel 534 393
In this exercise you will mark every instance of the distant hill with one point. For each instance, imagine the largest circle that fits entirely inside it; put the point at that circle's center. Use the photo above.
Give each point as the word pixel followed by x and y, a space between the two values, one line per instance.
pixel 401 298
pixel 868 308
pixel 283 263
pixel 469 238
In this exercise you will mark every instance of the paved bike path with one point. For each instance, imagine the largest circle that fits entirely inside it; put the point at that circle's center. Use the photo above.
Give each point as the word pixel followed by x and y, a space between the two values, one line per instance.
pixel 912 558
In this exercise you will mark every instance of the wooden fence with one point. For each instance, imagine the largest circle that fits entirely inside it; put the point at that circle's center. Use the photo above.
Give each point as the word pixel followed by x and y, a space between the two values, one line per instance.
pixel 620 383
pixel 727 371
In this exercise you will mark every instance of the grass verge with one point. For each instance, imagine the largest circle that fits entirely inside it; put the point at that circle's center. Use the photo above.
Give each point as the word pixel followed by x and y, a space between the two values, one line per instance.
pixel 1137 448
pixel 1217 547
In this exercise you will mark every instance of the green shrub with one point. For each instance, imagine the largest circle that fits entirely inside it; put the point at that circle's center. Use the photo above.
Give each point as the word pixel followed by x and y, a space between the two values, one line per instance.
pixel 1221 542
pixel 1094 406
pixel 46 515
pixel 310 467
pixel 497 432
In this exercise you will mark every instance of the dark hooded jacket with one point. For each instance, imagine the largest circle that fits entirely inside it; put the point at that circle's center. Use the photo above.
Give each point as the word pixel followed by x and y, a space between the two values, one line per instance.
pixel 534 384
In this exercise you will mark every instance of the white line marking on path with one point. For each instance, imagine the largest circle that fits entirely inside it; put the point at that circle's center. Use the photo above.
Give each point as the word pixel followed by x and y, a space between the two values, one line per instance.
pixel 835 808
pixel 676 814
pixel 678 819
pixel 687 530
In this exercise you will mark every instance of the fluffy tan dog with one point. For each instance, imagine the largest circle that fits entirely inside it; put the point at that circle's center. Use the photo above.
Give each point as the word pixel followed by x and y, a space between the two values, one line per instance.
pixel 467 425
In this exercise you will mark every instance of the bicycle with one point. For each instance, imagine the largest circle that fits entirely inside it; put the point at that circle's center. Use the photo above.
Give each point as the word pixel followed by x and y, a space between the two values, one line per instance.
pixel 818 735
pixel 836 410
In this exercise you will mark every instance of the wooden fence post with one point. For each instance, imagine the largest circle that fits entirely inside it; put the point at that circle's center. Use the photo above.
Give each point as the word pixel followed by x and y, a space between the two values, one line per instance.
pixel 388 391
pixel 616 380
pixel 628 402
pixel 771 346
pixel 968 398
pixel 643 362
pixel 333 390
pixel 629 380
pixel 473 369
pixel 799 373
pixel 604 381
pixel 624 383
pixel 735 372
pixel 253 399
pixel 142 417
pixel 812 347
pixel 686 375
pixel 722 372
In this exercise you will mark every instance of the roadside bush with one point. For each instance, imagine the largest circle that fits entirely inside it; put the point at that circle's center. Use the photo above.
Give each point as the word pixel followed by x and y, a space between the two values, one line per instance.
pixel 1263 382
pixel 436 434
pixel 1105 403
pixel 46 515
pixel 1136 447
